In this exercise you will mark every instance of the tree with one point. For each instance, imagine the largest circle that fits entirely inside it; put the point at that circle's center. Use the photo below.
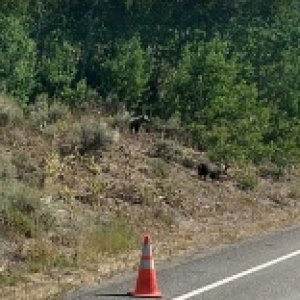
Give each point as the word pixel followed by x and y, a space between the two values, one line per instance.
pixel 58 73
pixel 130 73
pixel 17 59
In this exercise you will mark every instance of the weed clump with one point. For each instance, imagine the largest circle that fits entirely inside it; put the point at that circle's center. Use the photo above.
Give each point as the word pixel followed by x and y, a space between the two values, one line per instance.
pixel 7 169
pixel 10 112
pixel 170 129
pixel 43 112
pixel 9 277
pixel 270 170
pixel 21 210
pixel 111 238
pixel 294 192
pixel 121 119
pixel 159 168
pixel 42 255
pixel 86 136
pixel 247 179
pixel 28 169
pixel 167 150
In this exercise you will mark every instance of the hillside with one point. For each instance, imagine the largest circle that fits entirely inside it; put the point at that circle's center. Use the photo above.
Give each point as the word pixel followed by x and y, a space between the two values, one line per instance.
pixel 218 81
pixel 78 192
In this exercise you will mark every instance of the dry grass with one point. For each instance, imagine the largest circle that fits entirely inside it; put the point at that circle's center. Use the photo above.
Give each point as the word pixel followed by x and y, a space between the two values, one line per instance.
pixel 107 239
pixel 294 191
pixel 104 201
pixel 10 112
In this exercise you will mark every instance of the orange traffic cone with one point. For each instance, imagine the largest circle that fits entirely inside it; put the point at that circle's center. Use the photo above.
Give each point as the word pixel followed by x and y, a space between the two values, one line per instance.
pixel 146 284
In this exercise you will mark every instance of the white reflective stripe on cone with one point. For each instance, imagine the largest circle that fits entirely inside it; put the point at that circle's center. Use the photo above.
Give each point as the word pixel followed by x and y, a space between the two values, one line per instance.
pixel 147 264
pixel 147 250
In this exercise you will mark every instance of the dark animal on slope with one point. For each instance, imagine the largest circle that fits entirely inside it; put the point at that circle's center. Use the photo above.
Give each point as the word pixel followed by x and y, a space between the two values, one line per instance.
pixel 212 171
pixel 135 123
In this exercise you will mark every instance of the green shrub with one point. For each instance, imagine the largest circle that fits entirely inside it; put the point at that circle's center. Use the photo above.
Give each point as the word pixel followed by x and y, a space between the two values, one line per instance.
pixel 166 149
pixel 121 119
pixel 57 111
pixel 38 112
pixel 247 179
pixel 77 96
pixel 270 170
pixel 128 192
pixel 21 210
pixel 159 167
pixel 20 207
pixel 87 135
pixel 7 169
pixel 10 111
pixel 17 59
pixel 92 97
pixel 130 71
pixel 43 113
pixel 111 104
pixel 19 222
pixel 28 169
pixel 170 128
pixel 9 277
pixel 188 161
pixel 58 71
pixel 113 237
pixel 42 255
pixel 171 151
pixel 294 191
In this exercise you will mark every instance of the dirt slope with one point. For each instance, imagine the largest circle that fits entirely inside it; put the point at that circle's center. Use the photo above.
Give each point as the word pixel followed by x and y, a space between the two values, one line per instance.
pixel 139 190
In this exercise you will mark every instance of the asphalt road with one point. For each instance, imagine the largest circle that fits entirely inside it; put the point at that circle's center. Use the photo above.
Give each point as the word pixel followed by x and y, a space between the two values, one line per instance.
pixel 266 268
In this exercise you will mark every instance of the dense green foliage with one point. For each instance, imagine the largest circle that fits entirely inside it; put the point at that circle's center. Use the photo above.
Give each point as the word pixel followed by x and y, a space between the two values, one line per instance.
pixel 229 70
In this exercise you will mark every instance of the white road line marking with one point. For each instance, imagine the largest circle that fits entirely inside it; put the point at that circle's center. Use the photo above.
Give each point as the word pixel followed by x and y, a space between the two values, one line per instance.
pixel 237 276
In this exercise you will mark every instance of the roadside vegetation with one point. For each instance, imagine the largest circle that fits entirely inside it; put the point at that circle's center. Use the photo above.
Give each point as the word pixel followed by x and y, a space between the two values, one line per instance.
pixel 79 191
pixel 220 84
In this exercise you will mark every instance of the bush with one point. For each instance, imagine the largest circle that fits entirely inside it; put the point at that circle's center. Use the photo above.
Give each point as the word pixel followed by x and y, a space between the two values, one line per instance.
pixel 108 238
pixel 7 169
pixel 17 59
pixel 28 169
pixel 247 179
pixel 294 191
pixel 41 255
pixel 10 111
pixel 38 112
pixel 58 71
pixel 92 97
pixel 57 111
pixel 77 96
pixel 128 192
pixel 171 151
pixel 87 135
pixel 188 162
pixel 21 210
pixel 167 150
pixel 111 104
pixel 44 113
pixel 9 277
pixel 270 170
pixel 130 71
pixel 160 168
pixel 121 119
pixel 20 207
pixel 170 128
